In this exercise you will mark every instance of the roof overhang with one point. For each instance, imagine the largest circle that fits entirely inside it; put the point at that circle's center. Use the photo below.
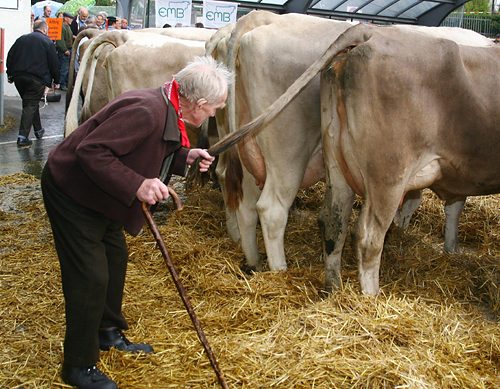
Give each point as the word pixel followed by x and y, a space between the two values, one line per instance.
pixel 420 12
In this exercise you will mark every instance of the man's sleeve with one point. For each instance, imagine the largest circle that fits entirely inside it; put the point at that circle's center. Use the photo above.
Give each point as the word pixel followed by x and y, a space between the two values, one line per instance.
pixel 10 60
pixel 61 45
pixel 74 27
pixel 53 62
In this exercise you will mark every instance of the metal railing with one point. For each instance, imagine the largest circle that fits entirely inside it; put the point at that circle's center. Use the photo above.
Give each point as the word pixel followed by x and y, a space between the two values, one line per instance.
pixel 475 23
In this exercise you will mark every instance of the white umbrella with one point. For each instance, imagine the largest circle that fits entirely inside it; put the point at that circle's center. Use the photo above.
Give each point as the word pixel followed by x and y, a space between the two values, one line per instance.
pixel 37 8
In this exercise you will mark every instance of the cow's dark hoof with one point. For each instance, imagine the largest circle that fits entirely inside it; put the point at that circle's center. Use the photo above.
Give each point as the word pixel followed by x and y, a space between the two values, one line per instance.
pixel 248 270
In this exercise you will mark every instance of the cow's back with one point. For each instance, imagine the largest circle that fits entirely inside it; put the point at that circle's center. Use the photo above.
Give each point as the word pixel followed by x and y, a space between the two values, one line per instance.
pixel 441 106
pixel 148 60
pixel 270 58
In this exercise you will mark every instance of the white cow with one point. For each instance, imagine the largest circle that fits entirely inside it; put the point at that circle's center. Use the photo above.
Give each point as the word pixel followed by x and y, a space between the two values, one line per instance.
pixel 430 119
pixel 253 54
pixel 117 61
pixel 268 52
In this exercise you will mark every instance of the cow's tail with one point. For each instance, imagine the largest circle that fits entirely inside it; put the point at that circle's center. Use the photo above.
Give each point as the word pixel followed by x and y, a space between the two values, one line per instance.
pixel 71 75
pixel 71 122
pixel 212 43
pixel 350 38
pixel 72 112
pixel 247 23
pixel 233 189
pixel 86 111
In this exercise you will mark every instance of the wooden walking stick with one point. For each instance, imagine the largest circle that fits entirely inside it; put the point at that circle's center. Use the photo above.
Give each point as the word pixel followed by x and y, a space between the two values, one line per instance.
pixel 180 288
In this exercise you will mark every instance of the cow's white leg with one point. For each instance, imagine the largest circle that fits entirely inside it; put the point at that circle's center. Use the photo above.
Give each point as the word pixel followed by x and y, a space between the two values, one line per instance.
pixel 411 202
pixel 452 210
pixel 374 221
pixel 231 220
pixel 247 218
pixel 273 207
pixel 232 225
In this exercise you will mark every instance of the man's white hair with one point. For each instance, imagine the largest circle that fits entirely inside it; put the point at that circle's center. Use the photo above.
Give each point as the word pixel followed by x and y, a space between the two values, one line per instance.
pixel 204 78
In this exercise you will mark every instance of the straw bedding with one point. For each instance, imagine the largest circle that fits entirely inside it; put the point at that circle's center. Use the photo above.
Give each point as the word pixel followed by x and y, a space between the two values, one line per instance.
pixel 434 325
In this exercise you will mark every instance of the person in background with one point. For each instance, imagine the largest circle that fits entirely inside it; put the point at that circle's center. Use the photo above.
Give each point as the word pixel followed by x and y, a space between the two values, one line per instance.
pixel 199 25
pixel 82 41
pixel 124 24
pixel 112 23
pixel 93 185
pixel 63 47
pixel 100 21
pixel 90 20
pixel 166 25
pixel 32 65
pixel 47 12
pixel 79 21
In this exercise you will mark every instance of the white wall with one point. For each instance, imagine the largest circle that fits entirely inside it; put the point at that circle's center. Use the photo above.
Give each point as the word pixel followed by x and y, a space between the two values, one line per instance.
pixel 16 22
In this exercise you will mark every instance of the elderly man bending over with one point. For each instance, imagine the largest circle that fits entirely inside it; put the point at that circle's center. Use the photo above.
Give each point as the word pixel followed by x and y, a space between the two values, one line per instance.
pixel 93 185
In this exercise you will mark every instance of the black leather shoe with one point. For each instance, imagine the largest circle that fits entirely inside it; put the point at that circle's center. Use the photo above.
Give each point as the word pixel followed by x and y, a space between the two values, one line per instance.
pixel 23 142
pixel 114 337
pixel 88 377
pixel 39 133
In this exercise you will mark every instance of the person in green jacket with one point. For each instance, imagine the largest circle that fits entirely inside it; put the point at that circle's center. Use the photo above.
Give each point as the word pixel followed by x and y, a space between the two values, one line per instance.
pixel 63 47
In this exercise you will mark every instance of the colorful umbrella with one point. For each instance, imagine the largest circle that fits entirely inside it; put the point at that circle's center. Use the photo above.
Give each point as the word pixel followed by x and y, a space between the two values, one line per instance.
pixel 37 8
pixel 72 6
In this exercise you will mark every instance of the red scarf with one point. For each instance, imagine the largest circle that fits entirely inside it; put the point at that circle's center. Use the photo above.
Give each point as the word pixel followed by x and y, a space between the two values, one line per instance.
pixel 172 93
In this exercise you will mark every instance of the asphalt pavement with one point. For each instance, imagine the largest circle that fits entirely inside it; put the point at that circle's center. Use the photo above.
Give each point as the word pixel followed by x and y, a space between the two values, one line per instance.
pixel 31 159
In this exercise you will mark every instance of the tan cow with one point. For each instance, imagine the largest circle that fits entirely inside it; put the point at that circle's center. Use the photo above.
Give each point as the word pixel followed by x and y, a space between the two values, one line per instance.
pixel 240 192
pixel 430 119
pixel 116 61
pixel 268 52
pixel 453 208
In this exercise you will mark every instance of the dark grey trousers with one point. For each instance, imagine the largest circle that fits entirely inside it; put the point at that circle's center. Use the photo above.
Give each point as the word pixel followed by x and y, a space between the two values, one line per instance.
pixel 93 256
pixel 31 91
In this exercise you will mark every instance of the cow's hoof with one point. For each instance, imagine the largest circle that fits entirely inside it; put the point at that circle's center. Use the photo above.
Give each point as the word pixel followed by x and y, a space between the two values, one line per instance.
pixel 451 250
pixel 248 270
pixel 324 292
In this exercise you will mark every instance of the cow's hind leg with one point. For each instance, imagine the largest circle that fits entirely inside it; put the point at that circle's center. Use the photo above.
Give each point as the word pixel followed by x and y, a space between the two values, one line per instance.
pixel 374 220
pixel 410 204
pixel 453 210
pixel 247 218
pixel 333 223
pixel 273 207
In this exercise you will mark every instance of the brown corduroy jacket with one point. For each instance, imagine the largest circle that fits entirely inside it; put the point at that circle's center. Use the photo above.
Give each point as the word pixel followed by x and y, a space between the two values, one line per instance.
pixel 102 164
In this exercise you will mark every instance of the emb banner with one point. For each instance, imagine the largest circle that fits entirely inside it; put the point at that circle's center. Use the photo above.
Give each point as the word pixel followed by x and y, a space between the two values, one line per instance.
pixel 173 12
pixel 217 14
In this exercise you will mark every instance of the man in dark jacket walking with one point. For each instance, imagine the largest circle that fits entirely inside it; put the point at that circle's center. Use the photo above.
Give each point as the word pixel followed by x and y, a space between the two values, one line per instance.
pixel 32 65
